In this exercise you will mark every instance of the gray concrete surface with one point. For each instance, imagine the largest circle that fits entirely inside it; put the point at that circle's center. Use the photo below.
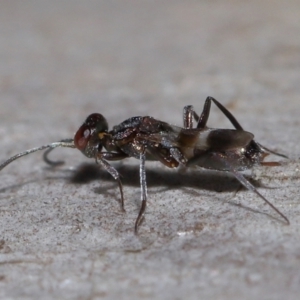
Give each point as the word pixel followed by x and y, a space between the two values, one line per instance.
pixel 62 233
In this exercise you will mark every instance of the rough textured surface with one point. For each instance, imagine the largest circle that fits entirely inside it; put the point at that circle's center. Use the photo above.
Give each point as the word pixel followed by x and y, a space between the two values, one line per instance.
pixel 62 232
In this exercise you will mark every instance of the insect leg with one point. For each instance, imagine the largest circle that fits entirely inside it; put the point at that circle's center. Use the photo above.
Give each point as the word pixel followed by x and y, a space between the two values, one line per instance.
pixel 114 173
pixel 202 120
pixel 112 156
pixel 58 162
pixel 225 164
pixel 189 114
pixel 234 122
pixel 226 112
pixel 250 187
pixel 143 190
pixel 178 156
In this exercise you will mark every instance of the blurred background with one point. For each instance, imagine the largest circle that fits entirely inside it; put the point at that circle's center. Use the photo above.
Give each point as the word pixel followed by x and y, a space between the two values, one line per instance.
pixel 65 59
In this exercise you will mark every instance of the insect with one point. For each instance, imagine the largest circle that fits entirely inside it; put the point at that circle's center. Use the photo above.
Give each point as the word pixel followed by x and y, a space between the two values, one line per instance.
pixel 228 150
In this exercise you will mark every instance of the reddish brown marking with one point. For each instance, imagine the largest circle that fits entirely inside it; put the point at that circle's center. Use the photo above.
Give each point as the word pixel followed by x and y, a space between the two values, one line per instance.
pixel 82 137
pixel 270 163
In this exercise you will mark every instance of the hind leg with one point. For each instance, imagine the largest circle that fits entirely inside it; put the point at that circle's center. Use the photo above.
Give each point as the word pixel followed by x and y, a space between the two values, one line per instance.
pixel 189 114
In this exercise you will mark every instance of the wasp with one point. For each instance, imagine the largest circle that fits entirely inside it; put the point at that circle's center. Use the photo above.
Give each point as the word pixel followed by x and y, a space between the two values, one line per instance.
pixel 145 138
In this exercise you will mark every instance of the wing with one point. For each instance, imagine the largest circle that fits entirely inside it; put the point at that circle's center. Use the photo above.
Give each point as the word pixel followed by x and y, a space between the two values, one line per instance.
pixel 200 139
pixel 228 139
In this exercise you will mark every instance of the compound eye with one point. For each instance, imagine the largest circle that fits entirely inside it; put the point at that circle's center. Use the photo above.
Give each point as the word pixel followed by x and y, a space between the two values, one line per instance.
pixel 82 137
pixel 93 124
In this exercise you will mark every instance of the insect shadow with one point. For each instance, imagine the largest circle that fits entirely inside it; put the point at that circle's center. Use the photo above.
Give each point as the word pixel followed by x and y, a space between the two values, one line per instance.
pixel 206 180
pixel 88 172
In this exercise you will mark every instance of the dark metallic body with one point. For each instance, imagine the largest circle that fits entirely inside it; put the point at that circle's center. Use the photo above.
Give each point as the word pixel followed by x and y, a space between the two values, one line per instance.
pixel 230 150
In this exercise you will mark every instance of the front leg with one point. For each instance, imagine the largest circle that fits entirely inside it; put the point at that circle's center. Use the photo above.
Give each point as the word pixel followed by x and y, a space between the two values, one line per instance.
pixel 143 184
pixel 114 173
